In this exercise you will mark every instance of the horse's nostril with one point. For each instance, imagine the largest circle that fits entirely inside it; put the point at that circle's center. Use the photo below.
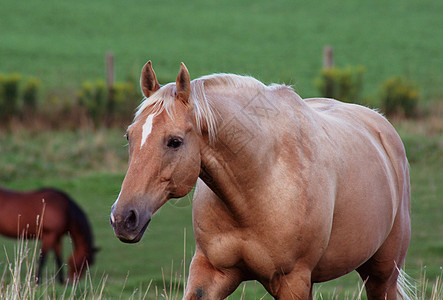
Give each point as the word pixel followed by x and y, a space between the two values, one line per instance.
pixel 131 220
pixel 112 219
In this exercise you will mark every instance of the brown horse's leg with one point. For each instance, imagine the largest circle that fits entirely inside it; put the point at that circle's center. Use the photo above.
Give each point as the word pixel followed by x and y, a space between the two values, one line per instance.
pixel 48 243
pixel 59 261
pixel 207 282
pixel 41 262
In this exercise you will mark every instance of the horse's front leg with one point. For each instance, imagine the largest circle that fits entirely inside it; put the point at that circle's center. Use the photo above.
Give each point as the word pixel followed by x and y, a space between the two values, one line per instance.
pixel 207 282
pixel 41 262
pixel 59 261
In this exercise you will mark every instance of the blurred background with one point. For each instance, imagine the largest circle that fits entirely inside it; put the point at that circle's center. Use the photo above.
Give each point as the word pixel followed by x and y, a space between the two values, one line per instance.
pixel 69 86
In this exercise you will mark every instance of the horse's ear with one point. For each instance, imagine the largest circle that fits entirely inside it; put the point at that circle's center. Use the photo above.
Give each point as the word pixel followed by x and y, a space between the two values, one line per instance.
pixel 183 84
pixel 148 80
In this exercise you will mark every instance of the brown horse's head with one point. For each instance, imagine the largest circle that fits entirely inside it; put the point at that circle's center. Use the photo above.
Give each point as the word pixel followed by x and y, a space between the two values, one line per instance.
pixel 164 154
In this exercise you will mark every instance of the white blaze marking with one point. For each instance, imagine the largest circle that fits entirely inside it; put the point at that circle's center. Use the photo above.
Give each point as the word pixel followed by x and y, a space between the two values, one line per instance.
pixel 147 128
pixel 115 203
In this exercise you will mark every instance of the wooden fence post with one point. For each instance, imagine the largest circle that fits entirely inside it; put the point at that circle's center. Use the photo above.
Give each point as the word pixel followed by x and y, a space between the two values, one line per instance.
pixel 110 78
pixel 110 69
pixel 328 57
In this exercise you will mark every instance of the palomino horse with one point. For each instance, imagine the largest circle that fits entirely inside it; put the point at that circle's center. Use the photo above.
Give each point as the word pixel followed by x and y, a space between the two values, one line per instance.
pixel 289 192
pixel 48 214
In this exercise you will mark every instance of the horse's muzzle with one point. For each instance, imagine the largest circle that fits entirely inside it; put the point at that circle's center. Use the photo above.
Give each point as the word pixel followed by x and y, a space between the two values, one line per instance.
pixel 129 225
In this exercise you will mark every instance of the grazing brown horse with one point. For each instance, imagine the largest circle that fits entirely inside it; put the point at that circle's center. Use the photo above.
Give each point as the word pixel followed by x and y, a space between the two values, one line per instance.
pixel 289 192
pixel 48 214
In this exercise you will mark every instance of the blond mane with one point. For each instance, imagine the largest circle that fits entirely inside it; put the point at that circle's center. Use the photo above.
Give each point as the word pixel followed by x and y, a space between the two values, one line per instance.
pixel 204 112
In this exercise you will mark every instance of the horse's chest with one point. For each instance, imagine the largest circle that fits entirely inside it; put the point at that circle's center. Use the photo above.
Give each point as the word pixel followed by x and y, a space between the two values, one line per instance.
pixel 239 250
pixel 221 249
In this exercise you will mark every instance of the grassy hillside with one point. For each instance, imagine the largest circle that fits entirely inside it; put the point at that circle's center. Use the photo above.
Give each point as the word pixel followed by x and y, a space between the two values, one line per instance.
pixel 64 43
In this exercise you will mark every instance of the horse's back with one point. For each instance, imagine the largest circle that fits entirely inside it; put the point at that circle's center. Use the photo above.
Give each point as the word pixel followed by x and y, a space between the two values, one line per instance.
pixel 357 117
pixel 25 210
pixel 56 209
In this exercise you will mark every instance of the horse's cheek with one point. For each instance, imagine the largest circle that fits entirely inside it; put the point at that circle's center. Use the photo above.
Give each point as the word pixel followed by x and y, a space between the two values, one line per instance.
pixel 189 178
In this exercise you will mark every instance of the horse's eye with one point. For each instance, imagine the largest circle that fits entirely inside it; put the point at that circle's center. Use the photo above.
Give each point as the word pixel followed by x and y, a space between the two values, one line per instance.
pixel 127 136
pixel 175 142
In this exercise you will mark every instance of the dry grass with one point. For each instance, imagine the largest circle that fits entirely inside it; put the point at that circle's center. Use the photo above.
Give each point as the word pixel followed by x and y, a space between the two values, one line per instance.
pixel 18 282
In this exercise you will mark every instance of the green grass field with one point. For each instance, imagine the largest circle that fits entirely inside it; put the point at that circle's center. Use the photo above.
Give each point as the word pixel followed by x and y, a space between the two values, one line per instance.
pixel 64 43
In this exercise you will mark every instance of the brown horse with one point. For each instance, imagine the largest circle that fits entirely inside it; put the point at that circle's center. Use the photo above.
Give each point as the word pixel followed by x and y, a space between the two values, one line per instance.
pixel 289 192
pixel 48 214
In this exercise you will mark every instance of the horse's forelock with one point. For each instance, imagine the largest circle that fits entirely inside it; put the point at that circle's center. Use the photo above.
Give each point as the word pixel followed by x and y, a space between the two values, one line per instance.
pixel 161 100
pixel 164 100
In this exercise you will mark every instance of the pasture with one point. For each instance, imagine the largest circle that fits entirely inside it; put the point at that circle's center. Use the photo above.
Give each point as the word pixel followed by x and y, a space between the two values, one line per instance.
pixel 95 190
pixel 64 43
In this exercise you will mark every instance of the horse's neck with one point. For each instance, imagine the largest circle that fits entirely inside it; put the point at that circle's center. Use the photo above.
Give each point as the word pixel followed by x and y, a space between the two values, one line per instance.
pixel 246 149
pixel 82 249
pixel 80 235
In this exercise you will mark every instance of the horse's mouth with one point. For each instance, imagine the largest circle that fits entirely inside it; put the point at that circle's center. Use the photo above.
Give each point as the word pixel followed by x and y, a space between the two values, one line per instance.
pixel 137 237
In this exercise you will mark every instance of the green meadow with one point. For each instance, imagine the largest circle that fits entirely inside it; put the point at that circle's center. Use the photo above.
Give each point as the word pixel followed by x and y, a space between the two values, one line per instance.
pixel 63 43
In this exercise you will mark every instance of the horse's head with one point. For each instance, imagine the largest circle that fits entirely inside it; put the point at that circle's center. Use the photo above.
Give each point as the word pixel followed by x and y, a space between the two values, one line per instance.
pixel 164 154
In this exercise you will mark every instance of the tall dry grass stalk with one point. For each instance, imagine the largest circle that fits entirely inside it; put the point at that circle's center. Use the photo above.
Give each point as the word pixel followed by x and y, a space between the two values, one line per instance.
pixel 430 290
pixel 18 280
